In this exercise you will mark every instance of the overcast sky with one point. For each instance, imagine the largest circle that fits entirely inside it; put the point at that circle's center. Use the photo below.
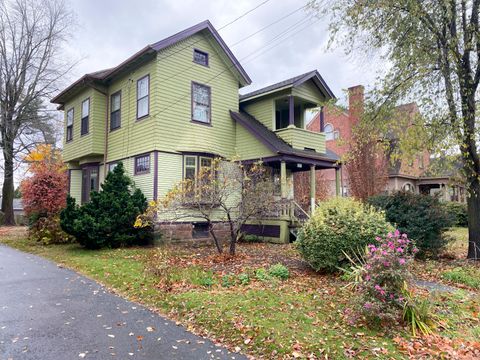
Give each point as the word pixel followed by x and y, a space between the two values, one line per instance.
pixel 109 31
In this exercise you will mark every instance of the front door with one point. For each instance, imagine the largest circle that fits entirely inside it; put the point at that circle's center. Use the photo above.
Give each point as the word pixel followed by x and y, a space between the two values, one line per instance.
pixel 89 181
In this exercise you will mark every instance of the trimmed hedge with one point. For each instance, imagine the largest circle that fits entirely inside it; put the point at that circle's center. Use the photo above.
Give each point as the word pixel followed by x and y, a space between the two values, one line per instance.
pixel 458 213
pixel 421 217
pixel 339 225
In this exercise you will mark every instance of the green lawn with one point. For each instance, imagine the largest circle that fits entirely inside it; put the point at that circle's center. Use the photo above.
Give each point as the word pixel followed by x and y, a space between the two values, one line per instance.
pixel 298 317
pixel 453 268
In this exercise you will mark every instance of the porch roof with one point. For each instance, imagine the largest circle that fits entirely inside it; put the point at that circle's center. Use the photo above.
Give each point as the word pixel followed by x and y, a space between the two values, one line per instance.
pixel 295 81
pixel 280 147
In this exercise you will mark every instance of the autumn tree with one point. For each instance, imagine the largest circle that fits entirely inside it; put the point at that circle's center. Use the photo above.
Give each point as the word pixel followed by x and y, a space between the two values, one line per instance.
pixel 431 51
pixel 44 193
pixel 31 35
pixel 301 189
pixel 366 162
pixel 223 192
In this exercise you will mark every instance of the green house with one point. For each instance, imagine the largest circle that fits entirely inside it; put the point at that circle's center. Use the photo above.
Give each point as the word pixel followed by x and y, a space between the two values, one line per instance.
pixel 176 103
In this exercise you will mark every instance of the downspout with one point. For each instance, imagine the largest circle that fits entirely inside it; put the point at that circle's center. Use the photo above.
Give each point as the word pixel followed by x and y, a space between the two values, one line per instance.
pixel 106 127
pixel 105 151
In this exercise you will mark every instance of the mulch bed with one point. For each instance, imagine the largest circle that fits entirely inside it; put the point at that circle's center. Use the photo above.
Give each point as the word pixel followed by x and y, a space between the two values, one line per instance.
pixel 248 255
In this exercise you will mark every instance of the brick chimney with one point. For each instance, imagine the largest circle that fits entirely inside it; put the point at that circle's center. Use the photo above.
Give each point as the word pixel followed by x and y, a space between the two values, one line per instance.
pixel 355 102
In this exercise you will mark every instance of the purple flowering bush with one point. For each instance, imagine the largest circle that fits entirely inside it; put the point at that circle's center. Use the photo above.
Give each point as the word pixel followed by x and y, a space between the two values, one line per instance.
pixel 385 277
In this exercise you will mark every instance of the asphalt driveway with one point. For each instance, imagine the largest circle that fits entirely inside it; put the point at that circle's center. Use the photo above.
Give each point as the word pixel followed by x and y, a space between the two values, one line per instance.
pixel 47 312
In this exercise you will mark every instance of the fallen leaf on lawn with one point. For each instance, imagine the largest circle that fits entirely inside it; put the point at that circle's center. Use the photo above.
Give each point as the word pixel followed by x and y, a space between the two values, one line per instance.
pixel 297 354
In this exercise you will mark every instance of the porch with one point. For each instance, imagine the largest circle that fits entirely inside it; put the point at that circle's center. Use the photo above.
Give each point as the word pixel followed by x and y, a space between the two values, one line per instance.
pixel 282 224
pixel 443 188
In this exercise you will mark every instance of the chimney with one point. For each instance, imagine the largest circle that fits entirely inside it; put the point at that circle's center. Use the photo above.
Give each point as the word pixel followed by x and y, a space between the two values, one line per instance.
pixel 355 102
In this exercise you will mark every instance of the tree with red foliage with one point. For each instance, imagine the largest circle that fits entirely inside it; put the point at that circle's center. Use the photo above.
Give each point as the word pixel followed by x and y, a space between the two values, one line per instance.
pixel 366 162
pixel 301 183
pixel 45 192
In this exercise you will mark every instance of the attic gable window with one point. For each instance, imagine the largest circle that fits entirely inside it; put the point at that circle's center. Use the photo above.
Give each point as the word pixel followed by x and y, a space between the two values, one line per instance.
pixel 143 95
pixel 200 57
pixel 201 102
pixel 70 125
pixel 85 116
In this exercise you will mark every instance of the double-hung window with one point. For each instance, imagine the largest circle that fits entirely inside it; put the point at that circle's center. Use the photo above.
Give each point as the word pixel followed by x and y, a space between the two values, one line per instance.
pixel 201 102
pixel 112 166
pixel 115 103
pixel 70 125
pixel 85 116
pixel 195 165
pixel 142 164
pixel 143 94
pixel 206 165
pixel 190 168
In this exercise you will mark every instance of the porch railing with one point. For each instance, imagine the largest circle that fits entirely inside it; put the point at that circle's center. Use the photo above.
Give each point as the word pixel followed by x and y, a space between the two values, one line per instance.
pixel 289 210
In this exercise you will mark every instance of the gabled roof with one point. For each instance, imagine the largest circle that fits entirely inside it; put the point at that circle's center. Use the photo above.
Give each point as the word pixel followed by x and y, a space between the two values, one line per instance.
pixel 103 76
pixel 275 143
pixel 293 82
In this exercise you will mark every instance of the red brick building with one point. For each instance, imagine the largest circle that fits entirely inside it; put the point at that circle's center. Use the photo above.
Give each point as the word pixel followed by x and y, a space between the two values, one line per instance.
pixel 338 122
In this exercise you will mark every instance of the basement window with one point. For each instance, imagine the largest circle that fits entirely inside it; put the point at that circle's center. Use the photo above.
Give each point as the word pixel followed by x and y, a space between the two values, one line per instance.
pixel 200 230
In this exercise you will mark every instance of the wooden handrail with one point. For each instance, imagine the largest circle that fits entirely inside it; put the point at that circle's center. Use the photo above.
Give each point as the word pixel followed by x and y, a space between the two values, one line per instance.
pixel 297 205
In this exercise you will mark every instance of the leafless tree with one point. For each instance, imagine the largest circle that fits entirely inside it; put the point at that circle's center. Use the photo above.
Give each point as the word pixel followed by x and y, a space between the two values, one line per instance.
pixel 223 192
pixel 31 35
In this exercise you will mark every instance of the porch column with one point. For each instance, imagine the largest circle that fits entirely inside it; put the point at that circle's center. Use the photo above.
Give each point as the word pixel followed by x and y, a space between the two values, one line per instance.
pixel 291 111
pixel 337 181
pixel 446 193
pixel 322 119
pixel 312 189
pixel 283 179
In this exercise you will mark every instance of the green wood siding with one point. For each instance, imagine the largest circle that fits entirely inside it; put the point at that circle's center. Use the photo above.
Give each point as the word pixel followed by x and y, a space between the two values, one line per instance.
pixel 248 147
pixel 93 142
pixel 134 136
pixel 310 92
pixel 262 110
pixel 143 181
pixel 176 71
pixel 301 139
pixel 76 185
pixel 170 172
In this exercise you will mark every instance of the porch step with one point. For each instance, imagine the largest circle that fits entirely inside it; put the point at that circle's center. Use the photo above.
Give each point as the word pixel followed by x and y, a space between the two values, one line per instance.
pixel 293 233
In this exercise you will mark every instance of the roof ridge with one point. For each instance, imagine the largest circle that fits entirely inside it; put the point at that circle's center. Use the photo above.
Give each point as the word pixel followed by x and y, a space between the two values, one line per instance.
pixel 292 82
pixel 103 75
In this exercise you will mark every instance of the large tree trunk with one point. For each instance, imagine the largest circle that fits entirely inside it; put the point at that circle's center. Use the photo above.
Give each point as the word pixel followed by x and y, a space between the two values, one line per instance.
pixel 8 189
pixel 473 202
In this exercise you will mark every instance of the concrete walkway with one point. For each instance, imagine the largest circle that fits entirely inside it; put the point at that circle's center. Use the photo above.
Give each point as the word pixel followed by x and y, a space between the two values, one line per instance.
pixel 51 313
